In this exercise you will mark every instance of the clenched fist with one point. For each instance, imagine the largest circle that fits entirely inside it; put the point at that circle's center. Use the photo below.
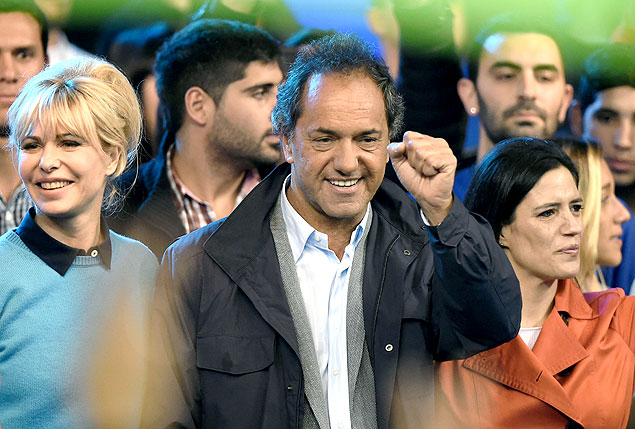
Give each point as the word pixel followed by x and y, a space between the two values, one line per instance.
pixel 425 166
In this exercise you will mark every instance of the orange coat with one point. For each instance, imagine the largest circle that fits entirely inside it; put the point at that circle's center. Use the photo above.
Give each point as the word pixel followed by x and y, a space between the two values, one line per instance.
pixel 581 372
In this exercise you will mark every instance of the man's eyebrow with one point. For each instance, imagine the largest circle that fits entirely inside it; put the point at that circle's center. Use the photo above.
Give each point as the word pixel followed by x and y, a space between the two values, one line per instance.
pixel 367 132
pixel 333 132
pixel 324 131
pixel 259 86
pixel 546 67
pixel 508 64
pixel 605 111
pixel 27 47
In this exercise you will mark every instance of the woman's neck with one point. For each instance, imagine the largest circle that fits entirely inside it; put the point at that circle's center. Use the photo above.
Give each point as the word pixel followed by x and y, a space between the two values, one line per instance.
pixel 80 232
pixel 538 300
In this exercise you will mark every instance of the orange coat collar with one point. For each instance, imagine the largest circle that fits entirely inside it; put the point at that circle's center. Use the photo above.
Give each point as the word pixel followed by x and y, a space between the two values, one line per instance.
pixel 532 373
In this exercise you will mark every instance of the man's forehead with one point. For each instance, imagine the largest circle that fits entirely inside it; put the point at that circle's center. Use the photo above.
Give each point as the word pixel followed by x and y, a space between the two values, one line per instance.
pixel 259 73
pixel 617 97
pixel 23 29
pixel 346 101
pixel 313 86
pixel 333 82
pixel 523 49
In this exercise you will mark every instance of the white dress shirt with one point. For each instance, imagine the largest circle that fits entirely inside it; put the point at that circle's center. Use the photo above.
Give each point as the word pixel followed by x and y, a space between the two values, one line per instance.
pixel 324 284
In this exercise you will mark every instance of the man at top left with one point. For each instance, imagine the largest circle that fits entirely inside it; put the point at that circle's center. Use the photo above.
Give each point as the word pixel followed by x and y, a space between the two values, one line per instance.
pixel 23 39
pixel 217 84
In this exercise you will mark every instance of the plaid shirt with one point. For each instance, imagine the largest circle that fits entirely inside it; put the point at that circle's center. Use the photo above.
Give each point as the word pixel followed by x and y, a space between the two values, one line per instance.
pixel 12 211
pixel 193 212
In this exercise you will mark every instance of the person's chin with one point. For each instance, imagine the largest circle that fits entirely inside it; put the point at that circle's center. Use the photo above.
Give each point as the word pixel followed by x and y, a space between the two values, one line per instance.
pixel 624 179
pixel 528 130
pixel 343 210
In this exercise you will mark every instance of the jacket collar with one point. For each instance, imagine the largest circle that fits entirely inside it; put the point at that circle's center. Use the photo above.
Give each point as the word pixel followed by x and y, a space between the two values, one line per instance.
pixel 532 372
pixel 570 300
pixel 243 247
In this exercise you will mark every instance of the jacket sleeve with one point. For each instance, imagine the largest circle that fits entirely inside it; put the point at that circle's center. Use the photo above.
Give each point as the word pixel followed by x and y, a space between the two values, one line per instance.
pixel 172 397
pixel 476 302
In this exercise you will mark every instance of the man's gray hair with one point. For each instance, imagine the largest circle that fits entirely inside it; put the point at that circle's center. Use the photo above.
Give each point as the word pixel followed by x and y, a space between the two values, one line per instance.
pixel 338 54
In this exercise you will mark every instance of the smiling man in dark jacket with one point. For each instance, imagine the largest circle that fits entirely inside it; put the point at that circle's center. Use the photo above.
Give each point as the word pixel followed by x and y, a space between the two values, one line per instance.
pixel 321 301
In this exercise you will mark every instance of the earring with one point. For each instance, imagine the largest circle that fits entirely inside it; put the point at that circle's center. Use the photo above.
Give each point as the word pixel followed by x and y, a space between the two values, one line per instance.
pixel 473 110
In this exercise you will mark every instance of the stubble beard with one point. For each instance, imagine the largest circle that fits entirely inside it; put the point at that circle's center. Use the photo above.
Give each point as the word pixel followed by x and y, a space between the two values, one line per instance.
pixel 238 147
pixel 497 130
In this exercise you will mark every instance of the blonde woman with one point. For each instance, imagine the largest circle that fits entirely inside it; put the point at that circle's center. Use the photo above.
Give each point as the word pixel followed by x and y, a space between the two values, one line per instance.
pixel 73 294
pixel 603 214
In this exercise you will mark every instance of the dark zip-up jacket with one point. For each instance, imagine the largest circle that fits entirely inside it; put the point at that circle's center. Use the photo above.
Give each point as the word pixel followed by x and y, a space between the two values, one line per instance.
pixel 224 345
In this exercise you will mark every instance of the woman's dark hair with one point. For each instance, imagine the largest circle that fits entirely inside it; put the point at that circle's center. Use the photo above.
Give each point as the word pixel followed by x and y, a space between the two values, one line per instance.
pixel 507 174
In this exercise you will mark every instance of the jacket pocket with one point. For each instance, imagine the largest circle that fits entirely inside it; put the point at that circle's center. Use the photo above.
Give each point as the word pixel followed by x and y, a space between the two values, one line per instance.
pixel 417 303
pixel 234 355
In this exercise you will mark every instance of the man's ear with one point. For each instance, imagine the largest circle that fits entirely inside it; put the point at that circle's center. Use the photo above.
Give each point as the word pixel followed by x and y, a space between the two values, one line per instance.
pixel 467 93
pixel 287 149
pixel 199 106
pixel 566 102
pixel 575 119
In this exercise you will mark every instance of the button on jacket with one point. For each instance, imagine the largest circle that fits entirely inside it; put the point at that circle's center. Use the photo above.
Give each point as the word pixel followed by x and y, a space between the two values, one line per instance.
pixel 580 372
pixel 224 344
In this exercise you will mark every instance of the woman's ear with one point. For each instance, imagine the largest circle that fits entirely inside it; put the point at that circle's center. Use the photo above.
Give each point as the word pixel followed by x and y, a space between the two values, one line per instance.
pixel 502 242
pixel 113 156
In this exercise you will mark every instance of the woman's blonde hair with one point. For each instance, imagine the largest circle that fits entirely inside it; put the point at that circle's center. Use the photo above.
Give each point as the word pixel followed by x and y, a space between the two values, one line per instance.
pixel 587 156
pixel 85 95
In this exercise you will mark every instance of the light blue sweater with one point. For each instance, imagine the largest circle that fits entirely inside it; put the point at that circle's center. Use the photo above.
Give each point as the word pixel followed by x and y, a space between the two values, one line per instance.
pixel 55 330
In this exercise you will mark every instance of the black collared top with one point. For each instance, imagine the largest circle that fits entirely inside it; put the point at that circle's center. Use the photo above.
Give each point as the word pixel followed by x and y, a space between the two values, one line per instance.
pixel 58 255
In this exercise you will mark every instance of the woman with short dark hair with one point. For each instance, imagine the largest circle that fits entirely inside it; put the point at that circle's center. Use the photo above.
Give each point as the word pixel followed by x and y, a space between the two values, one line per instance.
pixel 573 361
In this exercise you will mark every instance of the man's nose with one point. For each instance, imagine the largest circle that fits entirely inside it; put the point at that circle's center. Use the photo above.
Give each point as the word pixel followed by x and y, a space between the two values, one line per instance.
pixel 346 160
pixel 625 134
pixel 8 72
pixel 527 86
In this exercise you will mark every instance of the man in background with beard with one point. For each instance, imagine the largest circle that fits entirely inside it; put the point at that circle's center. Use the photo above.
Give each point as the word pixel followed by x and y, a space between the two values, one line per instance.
pixel 217 84
pixel 515 84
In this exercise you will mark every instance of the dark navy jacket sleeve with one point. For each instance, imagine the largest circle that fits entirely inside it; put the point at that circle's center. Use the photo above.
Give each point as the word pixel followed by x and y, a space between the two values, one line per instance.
pixel 476 302
pixel 172 395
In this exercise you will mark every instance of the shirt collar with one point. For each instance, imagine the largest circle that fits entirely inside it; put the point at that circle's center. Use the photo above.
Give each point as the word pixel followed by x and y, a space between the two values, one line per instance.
pixel 58 255
pixel 299 230
pixel 251 179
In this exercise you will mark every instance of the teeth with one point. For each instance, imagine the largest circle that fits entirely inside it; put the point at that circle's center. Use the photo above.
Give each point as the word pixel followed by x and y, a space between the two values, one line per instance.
pixel 344 183
pixel 54 185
